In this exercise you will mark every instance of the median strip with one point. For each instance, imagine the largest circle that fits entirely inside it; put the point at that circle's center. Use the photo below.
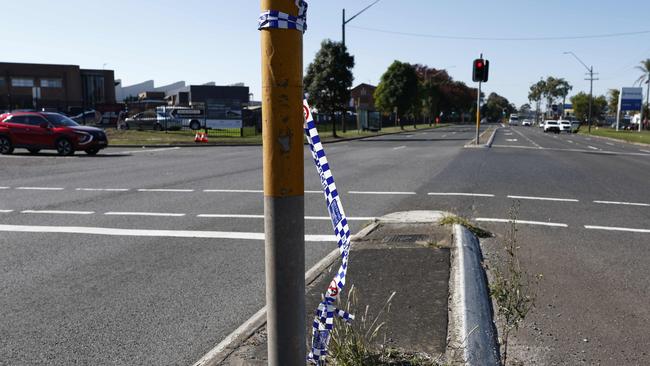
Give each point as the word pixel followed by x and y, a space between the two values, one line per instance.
pixel 151 233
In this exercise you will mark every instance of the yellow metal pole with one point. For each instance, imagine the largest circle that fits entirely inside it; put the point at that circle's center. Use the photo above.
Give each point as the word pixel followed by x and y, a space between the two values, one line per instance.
pixel 283 170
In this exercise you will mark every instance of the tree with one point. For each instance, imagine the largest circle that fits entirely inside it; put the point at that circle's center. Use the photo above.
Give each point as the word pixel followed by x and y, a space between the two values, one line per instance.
pixel 535 94
pixel 580 103
pixel 613 100
pixel 561 90
pixel 645 78
pixel 398 90
pixel 329 78
pixel 496 107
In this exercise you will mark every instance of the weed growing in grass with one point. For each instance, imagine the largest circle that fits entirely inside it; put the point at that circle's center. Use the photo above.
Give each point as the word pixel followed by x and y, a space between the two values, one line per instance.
pixel 513 289
pixel 451 220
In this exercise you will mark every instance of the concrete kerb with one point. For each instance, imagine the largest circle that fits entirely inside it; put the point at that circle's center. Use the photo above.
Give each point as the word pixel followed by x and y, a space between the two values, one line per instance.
pixel 472 145
pixel 222 350
pixel 471 326
pixel 618 140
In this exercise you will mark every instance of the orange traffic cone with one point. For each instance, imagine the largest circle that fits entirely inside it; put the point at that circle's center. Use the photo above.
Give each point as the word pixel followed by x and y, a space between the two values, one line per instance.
pixel 204 137
pixel 197 137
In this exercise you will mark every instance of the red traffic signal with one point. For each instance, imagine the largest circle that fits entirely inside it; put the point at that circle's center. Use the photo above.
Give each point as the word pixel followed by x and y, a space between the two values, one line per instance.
pixel 480 70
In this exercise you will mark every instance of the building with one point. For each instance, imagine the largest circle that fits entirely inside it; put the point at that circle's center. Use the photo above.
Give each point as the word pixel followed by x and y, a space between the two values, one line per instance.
pixel 61 88
pixel 363 101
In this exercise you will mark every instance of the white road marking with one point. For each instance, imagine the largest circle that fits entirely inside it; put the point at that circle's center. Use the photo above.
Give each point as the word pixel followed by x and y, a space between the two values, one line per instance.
pixel 525 222
pixel 232 191
pixel 511 140
pixel 623 203
pixel 40 188
pixel 6 211
pixel 603 152
pixel 4 187
pixel 609 143
pixel 230 216
pixel 159 214
pixel 593 148
pixel 460 194
pixel 407 136
pixel 103 189
pixel 381 193
pixel 164 190
pixel 569 141
pixel 612 228
pixel 399 147
pixel 528 138
pixel 443 136
pixel 149 150
pixel 544 198
pixel 314 192
pixel 645 151
pixel 151 233
pixel 57 212
pixel 508 134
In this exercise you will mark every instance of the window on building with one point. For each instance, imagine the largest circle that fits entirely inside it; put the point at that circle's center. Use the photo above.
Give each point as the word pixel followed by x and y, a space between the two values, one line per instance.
pixel 22 82
pixel 51 83
pixel 2 82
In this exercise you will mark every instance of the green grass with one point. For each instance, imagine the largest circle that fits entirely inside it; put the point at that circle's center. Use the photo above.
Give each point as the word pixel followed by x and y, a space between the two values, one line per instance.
pixel 451 220
pixel 629 136
pixel 138 138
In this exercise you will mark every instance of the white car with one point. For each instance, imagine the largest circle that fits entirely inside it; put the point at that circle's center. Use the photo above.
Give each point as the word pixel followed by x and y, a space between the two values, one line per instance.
pixel 564 125
pixel 527 122
pixel 551 126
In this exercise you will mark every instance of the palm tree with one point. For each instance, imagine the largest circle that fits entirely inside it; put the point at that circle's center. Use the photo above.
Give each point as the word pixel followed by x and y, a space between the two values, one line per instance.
pixel 645 78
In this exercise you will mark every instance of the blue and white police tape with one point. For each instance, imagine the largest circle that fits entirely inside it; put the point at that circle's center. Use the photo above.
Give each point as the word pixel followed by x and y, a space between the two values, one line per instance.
pixel 273 19
pixel 324 319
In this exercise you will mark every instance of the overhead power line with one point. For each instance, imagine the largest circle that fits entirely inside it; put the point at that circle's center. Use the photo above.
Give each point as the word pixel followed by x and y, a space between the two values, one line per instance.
pixel 470 38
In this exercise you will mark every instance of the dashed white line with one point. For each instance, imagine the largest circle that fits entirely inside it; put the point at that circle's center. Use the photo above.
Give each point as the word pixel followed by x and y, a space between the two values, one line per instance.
pixel 40 188
pixel 569 141
pixel 158 214
pixel 645 151
pixel 609 143
pixel 57 212
pixel 233 191
pixel 152 233
pixel 592 147
pixel 399 147
pixel 314 192
pixel 623 203
pixel 544 198
pixel 460 194
pixel 230 216
pixel 511 140
pixel 6 211
pixel 4 187
pixel 103 189
pixel 165 190
pixel 149 150
pixel 382 193
pixel 524 222
pixel 612 228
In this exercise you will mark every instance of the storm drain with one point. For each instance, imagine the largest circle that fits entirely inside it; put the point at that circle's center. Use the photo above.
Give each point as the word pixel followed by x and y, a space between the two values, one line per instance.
pixel 405 238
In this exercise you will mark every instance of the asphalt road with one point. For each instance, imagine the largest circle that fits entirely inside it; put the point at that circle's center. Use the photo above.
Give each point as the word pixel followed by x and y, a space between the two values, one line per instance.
pixel 153 256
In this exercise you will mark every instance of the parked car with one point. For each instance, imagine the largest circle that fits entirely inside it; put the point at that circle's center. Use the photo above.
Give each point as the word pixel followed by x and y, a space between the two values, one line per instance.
pixel 36 131
pixel 148 120
pixel 90 117
pixel 565 125
pixel 551 126
pixel 527 123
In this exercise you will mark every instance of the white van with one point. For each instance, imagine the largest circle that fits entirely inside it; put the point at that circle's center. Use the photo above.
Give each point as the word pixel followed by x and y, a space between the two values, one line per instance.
pixel 514 120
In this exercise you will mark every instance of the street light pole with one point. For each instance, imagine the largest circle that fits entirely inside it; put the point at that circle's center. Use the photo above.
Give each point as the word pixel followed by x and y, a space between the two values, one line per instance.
pixel 344 22
pixel 591 79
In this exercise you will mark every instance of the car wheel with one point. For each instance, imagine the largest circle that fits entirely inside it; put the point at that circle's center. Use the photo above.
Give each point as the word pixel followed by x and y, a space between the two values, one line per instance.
pixel 33 151
pixel 195 125
pixel 5 145
pixel 92 151
pixel 64 147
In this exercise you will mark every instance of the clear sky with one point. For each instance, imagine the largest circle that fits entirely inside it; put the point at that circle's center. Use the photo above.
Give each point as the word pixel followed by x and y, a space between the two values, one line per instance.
pixel 217 40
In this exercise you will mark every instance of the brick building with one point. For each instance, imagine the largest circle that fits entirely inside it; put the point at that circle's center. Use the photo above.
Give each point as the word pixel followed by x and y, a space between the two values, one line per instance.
pixel 54 87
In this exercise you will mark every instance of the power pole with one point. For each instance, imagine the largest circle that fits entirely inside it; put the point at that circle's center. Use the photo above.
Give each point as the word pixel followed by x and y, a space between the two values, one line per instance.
pixel 647 101
pixel 283 170
pixel 591 92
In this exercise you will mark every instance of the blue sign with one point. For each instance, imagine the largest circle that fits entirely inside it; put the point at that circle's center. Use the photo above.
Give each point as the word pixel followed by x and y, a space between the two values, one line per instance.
pixel 630 105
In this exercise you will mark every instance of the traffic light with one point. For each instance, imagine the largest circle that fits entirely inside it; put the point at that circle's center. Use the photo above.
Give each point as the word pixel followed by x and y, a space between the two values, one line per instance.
pixel 480 70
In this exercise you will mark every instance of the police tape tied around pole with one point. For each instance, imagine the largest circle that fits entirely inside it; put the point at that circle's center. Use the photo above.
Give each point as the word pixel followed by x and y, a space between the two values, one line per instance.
pixel 326 311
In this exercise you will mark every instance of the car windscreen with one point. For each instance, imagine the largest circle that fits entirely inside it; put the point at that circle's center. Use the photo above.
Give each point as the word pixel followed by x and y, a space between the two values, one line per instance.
pixel 551 122
pixel 60 120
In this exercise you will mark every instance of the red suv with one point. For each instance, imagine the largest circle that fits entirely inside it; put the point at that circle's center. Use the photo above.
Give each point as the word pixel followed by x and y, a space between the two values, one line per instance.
pixel 35 131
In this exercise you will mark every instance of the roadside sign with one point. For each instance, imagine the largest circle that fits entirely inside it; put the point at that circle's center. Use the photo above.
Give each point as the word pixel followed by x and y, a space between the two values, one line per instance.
pixel 631 99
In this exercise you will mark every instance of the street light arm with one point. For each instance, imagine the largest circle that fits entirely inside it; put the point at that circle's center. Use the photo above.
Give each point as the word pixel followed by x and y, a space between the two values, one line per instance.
pixel 579 60
pixel 362 10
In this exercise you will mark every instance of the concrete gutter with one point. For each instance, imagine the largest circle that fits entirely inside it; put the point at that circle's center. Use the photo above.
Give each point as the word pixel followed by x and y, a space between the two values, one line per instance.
pixel 472 332
pixel 222 350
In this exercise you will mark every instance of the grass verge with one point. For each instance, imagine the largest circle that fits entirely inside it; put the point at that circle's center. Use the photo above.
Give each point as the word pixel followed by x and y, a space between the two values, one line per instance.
pixel 137 138
pixel 629 136
pixel 451 220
